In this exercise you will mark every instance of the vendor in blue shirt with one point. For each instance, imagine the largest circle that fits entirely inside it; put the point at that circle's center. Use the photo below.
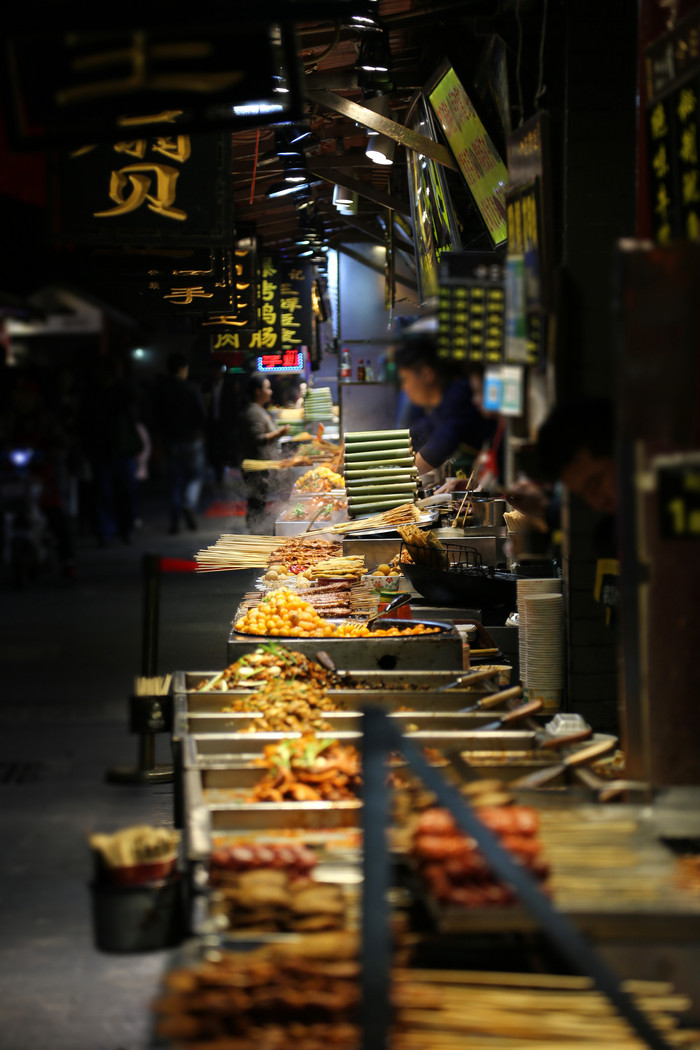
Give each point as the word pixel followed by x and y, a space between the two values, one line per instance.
pixel 448 425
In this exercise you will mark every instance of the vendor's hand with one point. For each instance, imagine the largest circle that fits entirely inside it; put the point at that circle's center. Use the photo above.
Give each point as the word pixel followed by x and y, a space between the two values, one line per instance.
pixel 528 498
pixel 453 485
pixel 284 430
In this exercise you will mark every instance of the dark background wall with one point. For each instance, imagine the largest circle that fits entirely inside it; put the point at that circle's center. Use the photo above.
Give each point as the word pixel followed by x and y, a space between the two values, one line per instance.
pixel 597 189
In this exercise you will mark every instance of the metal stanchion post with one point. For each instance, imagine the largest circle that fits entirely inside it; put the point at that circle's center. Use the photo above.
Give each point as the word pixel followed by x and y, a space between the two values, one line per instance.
pixel 148 715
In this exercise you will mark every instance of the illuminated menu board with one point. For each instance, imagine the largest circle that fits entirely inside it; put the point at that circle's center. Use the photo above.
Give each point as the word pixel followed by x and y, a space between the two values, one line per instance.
pixel 484 171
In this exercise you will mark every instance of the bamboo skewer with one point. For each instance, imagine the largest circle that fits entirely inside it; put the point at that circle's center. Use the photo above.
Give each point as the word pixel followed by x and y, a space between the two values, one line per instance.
pixel 389 517
pixel 156 686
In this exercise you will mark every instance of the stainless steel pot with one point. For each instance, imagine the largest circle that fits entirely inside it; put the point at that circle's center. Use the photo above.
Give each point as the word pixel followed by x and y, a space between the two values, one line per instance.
pixel 488 512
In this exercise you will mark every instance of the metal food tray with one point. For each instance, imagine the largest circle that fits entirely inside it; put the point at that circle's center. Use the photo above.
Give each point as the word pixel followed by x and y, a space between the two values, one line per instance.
pixel 418 682
pixel 232 750
pixel 665 912
pixel 206 817
pixel 339 721
pixel 205 922
pixel 413 652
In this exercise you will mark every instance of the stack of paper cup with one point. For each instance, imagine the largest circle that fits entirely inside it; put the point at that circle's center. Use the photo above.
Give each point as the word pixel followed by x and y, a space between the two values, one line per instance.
pixel 541 640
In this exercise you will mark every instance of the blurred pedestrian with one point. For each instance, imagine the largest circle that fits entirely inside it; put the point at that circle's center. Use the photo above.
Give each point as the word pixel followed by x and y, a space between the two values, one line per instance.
pixel 111 443
pixel 181 418
pixel 260 438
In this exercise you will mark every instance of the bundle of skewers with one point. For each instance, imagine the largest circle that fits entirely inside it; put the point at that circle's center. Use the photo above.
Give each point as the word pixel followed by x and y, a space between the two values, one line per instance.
pixel 389 519
pixel 273 990
pixel 233 551
pixel 252 465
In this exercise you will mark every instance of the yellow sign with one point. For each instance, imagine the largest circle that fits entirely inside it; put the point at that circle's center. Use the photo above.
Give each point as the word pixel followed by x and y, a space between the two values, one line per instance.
pixel 485 173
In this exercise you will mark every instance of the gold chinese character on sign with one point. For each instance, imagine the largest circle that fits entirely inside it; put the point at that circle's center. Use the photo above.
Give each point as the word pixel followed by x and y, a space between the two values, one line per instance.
pixel 185 296
pixel 268 291
pixel 227 319
pixel 176 147
pixel 135 68
pixel 133 186
pixel 269 314
pixel 687 104
pixel 657 123
pixel 688 151
pixel 224 339
pixel 689 187
pixel 692 226
pixel 134 148
pixel 663 202
pixel 659 162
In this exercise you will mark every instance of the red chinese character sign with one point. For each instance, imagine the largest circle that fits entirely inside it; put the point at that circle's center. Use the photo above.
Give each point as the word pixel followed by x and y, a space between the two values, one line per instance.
pixel 287 361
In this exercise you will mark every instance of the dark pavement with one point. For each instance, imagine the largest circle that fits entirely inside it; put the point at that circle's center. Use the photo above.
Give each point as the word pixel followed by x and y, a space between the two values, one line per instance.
pixel 69 653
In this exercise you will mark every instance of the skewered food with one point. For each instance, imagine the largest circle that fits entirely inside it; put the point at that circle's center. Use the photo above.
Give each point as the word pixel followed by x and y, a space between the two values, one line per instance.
pixel 455 870
pixel 309 769
pixel 423 544
pixel 295 859
pixel 305 995
pixel 350 567
pixel 300 553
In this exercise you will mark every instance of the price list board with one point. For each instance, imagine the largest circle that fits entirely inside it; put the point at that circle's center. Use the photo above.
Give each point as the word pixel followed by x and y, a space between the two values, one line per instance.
pixel 679 501
pixel 672 72
pixel 471 313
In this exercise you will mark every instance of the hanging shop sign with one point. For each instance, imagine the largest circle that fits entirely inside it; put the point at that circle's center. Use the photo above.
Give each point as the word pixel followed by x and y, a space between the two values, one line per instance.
pixel 283 319
pixel 160 188
pixel 435 227
pixel 528 203
pixel 672 71
pixel 478 159
pixel 220 72
pixel 242 313
pixel 288 361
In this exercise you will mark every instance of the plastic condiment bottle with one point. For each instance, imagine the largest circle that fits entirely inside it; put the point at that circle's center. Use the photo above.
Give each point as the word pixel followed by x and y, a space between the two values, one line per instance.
pixel 345 366
pixel 360 371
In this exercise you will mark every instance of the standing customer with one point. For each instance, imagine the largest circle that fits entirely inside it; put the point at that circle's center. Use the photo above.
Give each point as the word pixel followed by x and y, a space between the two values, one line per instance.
pixel 259 440
pixel 181 419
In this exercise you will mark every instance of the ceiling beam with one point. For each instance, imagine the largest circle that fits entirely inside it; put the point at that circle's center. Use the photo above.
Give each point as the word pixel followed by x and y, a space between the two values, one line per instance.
pixel 369 119
pixel 363 189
